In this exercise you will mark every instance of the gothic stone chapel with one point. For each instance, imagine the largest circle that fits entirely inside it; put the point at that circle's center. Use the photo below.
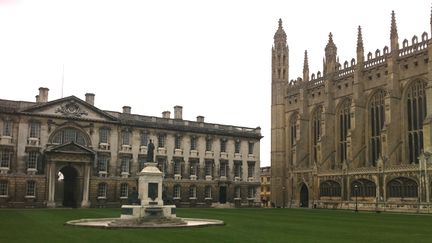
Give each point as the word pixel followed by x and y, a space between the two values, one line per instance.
pixel 360 132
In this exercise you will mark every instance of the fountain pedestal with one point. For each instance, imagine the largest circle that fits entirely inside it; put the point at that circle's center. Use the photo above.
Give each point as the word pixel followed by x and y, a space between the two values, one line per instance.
pixel 150 193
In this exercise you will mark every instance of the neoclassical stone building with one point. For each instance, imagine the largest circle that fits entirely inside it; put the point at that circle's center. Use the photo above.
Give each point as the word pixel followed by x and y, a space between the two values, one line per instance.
pixel 359 132
pixel 67 152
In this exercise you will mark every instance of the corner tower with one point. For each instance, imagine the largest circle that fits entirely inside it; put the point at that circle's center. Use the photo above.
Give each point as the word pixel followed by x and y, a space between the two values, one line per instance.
pixel 279 82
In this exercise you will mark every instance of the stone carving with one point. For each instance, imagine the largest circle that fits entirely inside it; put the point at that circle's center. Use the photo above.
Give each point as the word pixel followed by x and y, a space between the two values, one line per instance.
pixel 71 109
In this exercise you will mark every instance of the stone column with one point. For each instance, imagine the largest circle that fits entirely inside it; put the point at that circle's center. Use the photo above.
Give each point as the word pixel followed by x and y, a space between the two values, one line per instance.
pixel 51 184
pixel 85 202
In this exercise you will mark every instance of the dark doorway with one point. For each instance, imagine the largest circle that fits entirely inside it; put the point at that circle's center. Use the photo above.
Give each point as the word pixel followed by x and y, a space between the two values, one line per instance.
pixel 70 186
pixel 304 196
pixel 222 194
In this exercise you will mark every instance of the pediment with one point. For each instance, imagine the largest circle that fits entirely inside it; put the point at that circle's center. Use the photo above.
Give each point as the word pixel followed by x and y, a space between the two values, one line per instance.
pixel 70 147
pixel 69 107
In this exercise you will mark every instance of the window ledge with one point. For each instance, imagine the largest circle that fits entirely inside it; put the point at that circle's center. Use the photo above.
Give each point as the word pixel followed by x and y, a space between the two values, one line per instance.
pixel 101 197
pixel 176 198
pixel 208 198
pixel 4 196
pixel 30 197
pixel 123 197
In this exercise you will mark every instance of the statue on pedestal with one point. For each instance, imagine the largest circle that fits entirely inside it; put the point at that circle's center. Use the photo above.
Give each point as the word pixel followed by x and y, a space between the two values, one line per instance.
pixel 150 152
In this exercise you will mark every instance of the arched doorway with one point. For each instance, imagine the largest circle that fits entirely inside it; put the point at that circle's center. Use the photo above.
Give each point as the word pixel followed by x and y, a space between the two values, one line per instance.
pixel 70 186
pixel 304 196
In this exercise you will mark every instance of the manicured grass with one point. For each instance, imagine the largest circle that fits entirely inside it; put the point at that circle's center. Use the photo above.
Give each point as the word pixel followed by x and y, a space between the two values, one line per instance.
pixel 242 225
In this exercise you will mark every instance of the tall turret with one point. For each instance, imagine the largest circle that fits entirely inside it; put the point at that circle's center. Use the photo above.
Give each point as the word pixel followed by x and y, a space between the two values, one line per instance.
pixel 330 56
pixel 280 55
pixel 279 82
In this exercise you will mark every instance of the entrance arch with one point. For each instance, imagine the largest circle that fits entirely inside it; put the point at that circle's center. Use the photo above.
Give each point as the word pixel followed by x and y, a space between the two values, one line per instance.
pixel 70 186
pixel 304 196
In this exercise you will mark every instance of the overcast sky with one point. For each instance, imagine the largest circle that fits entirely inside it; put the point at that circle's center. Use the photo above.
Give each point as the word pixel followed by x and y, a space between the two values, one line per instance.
pixel 211 57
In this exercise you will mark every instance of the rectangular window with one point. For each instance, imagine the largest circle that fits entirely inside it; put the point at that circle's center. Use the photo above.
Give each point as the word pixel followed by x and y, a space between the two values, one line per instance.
pixel 192 192
pixel 162 165
pixel 251 169
pixel 237 147
pixel 177 190
pixel 237 169
pixel 126 138
pixel 103 135
pixel 125 165
pixel 223 168
pixel 223 145
pixel 208 167
pixel 177 167
pixel 32 160
pixel 102 190
pixel 177 142
pixel 31 189
pixel 161 141
pixel 251 148
pixel 103 163
pixel 193 168
pixel 124 190
pixel 141 162
pixel 3 188
pixel 251 192
pixel 193 143
pixel 7 128
pixel 209 144
pixel 5 157
pixel 144 139
pixel 238 192
pixel 34 130
pixel 207 192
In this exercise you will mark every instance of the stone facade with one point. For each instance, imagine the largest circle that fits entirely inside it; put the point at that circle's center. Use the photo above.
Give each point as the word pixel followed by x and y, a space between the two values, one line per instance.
pixel 67 152
pixel 357 133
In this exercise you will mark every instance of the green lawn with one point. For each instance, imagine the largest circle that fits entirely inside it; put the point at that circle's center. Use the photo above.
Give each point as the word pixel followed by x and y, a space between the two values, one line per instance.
pixel 242 225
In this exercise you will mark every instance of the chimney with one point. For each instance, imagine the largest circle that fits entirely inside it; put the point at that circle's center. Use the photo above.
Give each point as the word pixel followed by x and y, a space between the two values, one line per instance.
pixel 178 110
pixel 166 114
pixel 43 95
pixel 37 98
pixel 89 98
pixel 200 119
pixel 126 109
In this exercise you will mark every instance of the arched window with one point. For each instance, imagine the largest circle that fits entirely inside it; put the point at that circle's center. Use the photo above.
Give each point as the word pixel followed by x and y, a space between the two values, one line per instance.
pixel 376 114
pixel 344 126
pixel 402 187
pixel 416 112
pixel 316 131
pixel 363 188
pixel 69 134
pixel 330 189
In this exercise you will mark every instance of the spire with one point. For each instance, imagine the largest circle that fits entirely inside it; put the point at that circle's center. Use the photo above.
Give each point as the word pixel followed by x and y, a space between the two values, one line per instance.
pixel 305 67
pixel 359 40
pixel 280 36
pixel 393 30
pixel 330 47
pixel 360 49
pixel 393 33
pixel 330 56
